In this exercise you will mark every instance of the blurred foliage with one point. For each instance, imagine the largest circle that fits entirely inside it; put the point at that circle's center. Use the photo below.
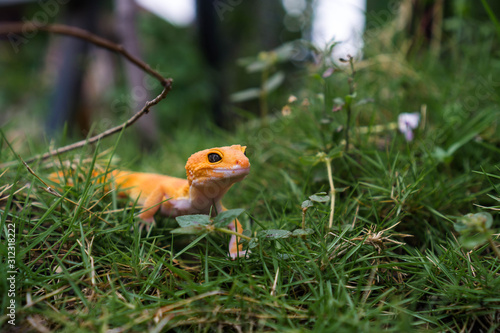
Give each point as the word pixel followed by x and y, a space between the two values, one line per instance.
pixel 173 51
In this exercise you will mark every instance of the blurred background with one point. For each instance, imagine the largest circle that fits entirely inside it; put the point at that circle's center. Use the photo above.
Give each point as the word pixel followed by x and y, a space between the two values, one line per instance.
pixel 223 55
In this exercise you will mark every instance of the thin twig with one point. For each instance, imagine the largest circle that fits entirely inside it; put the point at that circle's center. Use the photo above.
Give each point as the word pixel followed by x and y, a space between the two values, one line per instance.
pixel 20 27
pixel 98 137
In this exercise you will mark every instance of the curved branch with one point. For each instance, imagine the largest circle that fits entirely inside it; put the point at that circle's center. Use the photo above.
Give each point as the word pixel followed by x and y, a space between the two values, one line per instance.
pixel 8 28
pixel 21 27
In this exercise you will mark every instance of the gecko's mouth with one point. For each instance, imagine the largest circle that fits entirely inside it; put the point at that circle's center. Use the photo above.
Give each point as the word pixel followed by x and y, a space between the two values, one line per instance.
pixel 234 172
pixel 221 175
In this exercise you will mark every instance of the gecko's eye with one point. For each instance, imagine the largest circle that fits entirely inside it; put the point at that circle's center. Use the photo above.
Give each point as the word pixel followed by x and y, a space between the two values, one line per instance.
pixel 214 157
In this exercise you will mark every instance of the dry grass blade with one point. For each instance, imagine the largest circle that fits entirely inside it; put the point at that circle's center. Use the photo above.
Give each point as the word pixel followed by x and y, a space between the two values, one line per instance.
pixel 37 323
pixel 49 295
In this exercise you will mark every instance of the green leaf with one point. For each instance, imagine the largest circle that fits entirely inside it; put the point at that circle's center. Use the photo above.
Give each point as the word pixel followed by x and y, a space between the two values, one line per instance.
pixel 224 218
pixel 454 147
pixel 254 242
pixel 331 46
pixel 189 220
pixel 491 15
pixel 320 197
pixel 460 226
pixel 275 234
pixel 266 60
pixel 308 160
pixel 302 232
pixel 479 222
pixel 485 218
pixel 258 65
pixel 285 52
pixel 336 152
pixel 349 98
pixel 365 101
pixel 317 77
pixel 446 156
pixel 471 241
pixel 338 101
pixel 190 230
pixel 441 155
pixel 245 95
pixel 274 81
pixel 306 204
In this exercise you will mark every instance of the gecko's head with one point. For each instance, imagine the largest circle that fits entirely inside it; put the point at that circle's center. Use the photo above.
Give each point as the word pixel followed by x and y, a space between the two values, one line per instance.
pixel 223 166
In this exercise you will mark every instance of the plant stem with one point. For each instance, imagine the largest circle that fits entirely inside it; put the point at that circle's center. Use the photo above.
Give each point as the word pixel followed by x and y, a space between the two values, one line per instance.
pixel 347 128
pixel 263 96
pixel 304 210
pixel 328 162
pixel 228 231
pixel 494 247
pixel 350 81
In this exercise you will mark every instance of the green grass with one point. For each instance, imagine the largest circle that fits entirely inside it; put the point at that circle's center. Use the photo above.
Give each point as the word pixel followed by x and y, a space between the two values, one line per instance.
pixel 392 261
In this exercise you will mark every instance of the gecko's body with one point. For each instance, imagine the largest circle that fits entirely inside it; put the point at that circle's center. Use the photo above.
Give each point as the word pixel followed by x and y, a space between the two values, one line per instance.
pixel 210 174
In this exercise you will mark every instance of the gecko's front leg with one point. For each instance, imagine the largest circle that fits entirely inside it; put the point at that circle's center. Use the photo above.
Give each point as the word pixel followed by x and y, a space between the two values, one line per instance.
pixel 151 206
pixel 235 245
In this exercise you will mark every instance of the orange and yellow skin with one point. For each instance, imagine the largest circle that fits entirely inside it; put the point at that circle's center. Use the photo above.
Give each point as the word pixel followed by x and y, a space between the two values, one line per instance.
pixel 210 174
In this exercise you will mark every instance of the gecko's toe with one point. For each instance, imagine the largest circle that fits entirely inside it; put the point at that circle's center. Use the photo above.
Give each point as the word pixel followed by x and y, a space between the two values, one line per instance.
pixel 239 254
pixel 146 223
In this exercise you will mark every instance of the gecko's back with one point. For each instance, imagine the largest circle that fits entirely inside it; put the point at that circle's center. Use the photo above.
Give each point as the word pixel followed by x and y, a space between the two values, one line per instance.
pixel 140 185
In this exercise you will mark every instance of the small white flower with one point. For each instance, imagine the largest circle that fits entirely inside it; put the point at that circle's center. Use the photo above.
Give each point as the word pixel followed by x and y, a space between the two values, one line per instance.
pixel 407 122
